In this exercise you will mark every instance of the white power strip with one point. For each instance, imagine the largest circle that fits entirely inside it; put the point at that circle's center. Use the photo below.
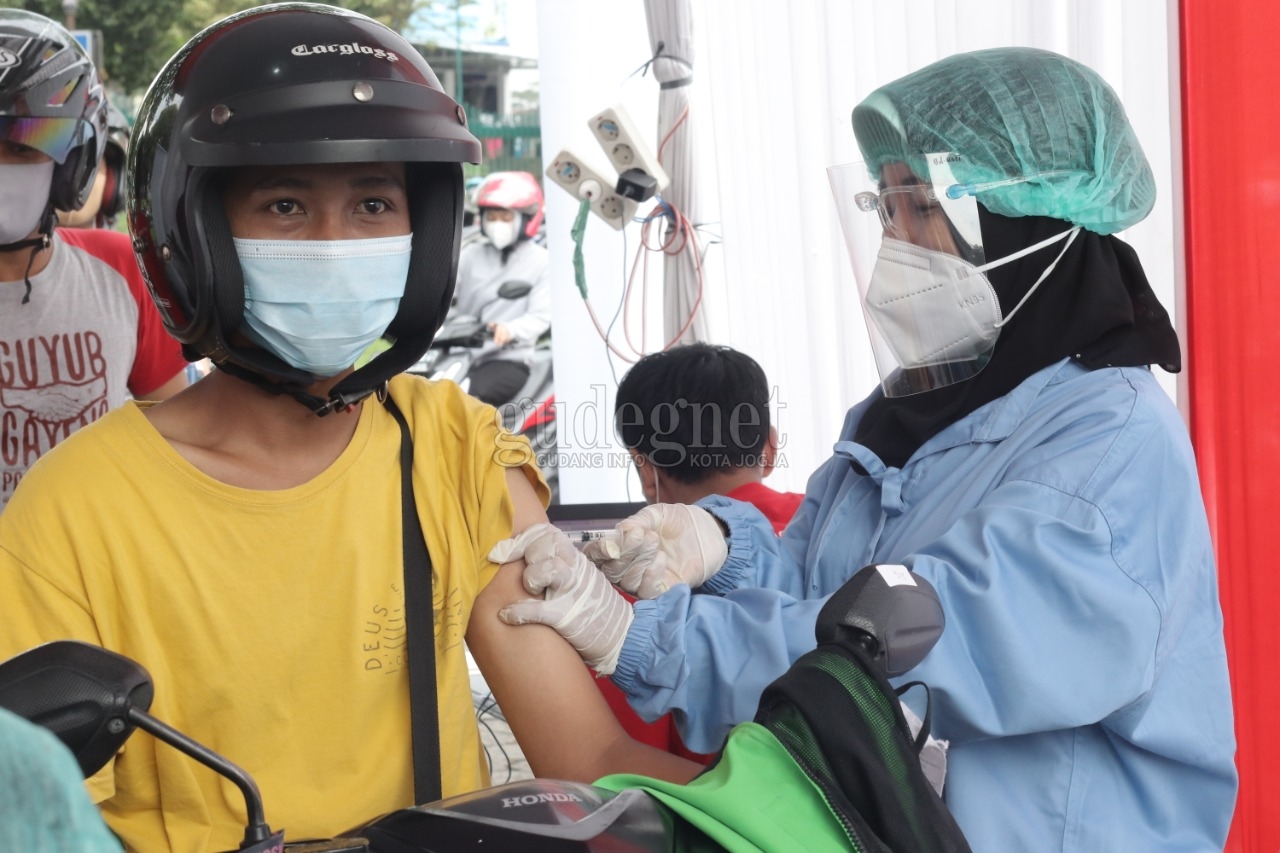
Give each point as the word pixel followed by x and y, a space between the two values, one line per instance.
pixel 581 181
pixel 625 146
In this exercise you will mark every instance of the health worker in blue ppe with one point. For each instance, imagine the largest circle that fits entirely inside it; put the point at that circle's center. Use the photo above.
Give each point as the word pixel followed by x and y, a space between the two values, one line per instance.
pixel 1019 454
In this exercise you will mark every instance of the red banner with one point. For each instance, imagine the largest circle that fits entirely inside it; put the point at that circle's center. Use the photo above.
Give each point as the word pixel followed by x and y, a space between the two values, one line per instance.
pixel 1231 180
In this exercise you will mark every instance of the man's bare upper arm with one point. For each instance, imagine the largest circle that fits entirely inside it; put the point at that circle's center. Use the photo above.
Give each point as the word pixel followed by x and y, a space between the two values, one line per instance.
pixel 557 713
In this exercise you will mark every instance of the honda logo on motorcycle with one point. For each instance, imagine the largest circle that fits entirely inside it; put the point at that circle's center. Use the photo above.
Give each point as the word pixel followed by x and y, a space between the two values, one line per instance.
pixel 534 799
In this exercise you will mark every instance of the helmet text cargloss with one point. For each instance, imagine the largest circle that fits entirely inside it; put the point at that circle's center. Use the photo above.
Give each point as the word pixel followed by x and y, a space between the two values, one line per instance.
pixel 345 50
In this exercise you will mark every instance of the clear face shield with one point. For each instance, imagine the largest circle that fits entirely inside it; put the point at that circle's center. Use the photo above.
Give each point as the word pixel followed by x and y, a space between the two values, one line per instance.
pixel 916 247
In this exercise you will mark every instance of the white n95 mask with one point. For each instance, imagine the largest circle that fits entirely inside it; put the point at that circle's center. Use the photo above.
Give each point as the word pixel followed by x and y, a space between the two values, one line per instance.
pixel 24 195
pixel 319 304
pixel 500 233
pixel 931 307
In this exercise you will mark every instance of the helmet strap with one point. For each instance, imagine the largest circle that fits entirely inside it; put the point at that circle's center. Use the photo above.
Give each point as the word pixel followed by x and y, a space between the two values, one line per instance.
pixel 318 405
pixel 36 244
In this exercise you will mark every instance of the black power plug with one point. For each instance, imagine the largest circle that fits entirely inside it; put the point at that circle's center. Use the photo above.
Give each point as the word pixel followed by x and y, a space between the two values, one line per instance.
pixel 636 184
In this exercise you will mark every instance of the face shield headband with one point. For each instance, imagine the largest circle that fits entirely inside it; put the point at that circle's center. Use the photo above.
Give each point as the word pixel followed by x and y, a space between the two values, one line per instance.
pixel 916 247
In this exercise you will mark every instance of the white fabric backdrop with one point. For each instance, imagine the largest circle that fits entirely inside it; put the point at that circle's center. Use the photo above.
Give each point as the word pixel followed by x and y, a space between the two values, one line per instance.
pixel 774 87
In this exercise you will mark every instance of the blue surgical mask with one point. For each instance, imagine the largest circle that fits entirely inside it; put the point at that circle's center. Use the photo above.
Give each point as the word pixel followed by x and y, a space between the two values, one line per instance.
pixel 318 304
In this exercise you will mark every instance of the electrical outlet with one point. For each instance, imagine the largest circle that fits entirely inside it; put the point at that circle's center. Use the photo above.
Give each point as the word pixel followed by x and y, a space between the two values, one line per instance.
pixel 612 207
pixel 581 181
pixel 624 145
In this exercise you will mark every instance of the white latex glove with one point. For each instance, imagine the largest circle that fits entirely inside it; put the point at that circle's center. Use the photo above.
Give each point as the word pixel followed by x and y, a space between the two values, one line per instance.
pixel 660 546
pixel 577 601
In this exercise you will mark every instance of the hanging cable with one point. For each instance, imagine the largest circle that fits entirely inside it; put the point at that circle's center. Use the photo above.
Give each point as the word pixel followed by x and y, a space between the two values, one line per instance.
pixel 681 237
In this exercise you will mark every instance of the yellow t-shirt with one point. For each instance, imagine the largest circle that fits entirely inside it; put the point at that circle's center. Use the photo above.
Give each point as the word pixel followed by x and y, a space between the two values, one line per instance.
pixel 272 622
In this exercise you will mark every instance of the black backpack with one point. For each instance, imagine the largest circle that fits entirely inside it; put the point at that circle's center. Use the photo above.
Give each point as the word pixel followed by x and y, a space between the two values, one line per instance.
pixel 840 719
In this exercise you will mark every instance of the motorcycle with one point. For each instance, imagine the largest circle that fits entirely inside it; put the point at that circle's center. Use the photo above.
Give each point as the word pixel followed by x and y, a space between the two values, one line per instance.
pixel 531 411
pixel 93 700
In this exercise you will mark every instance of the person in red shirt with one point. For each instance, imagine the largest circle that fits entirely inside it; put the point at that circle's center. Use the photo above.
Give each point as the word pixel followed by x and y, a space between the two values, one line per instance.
pixel 79 333
pixel 695 419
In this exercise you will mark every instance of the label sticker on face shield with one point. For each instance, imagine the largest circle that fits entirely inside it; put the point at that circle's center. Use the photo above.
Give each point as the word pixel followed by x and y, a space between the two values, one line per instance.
pixel 962 211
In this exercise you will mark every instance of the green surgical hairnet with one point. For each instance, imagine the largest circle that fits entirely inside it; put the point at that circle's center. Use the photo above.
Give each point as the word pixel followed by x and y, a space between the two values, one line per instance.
pixel 1012 112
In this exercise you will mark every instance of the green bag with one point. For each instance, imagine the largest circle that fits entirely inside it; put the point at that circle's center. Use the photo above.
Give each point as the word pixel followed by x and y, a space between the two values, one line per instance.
pixel 755 797
pixel 830 762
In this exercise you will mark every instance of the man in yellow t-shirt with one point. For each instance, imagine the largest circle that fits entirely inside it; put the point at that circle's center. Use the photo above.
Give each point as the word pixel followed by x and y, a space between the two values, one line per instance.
pixel 297 194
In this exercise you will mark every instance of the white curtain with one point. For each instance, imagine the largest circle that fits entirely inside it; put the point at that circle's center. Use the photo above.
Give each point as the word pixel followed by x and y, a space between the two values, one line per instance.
pixel 775 86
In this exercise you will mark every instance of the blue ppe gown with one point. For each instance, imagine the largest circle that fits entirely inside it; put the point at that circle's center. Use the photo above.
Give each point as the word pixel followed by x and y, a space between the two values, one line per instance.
pixel 1082 677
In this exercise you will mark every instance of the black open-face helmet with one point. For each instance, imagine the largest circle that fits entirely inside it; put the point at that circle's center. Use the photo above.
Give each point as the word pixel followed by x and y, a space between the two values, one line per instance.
pixel 286 84
pixel 51 99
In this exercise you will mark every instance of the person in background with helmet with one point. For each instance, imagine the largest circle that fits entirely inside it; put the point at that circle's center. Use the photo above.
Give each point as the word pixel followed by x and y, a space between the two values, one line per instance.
pixel 78 333
pixel 105 203
pixel 296 188
pixel 106 197
pixel 510 213
pixel 1018 454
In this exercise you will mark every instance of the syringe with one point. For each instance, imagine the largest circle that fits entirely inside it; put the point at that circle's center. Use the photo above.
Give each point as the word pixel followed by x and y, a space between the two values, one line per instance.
pixel 608 537
pixel 592 535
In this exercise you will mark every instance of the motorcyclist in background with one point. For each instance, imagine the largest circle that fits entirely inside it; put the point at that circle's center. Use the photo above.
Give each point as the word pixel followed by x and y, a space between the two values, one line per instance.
pixel 510 209
pixel 106 196
pixel 78 333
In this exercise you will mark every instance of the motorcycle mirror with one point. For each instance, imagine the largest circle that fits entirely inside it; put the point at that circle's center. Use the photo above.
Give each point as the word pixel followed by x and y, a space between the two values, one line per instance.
pixel 92 699
pixel 893 613
pixel 514 289
pixel 81 693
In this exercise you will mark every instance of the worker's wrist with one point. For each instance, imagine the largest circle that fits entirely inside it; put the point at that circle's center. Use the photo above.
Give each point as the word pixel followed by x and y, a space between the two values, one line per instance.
pixel 737 564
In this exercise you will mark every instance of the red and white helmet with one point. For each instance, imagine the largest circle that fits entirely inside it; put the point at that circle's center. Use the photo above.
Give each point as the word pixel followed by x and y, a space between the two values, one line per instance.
pixel 516 191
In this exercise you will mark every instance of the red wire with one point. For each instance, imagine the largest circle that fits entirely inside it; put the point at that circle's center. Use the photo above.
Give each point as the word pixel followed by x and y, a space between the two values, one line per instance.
pixel 684 114
pixel 691 238
pixel 688 241
pixel 604 335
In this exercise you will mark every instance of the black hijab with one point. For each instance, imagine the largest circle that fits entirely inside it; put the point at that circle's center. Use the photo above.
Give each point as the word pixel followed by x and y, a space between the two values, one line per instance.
pixel 1096 307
